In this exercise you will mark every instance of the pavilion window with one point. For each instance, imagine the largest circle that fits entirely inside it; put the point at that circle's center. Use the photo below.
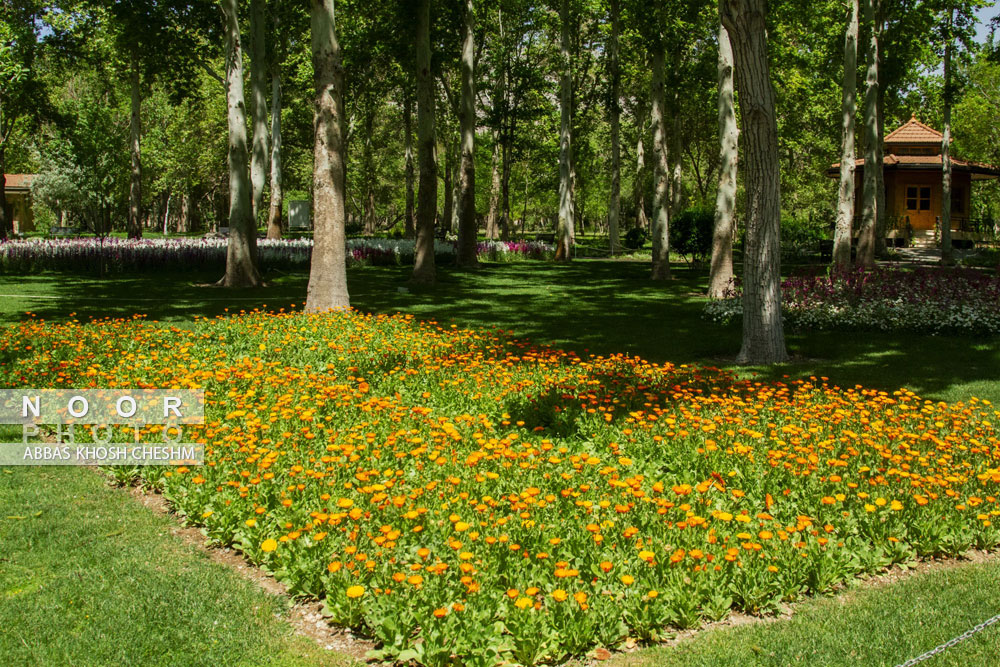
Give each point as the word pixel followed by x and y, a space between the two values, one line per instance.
pixel 918 198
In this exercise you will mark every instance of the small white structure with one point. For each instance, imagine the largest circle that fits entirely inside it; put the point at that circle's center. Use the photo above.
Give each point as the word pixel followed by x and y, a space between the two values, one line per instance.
pixel 298 215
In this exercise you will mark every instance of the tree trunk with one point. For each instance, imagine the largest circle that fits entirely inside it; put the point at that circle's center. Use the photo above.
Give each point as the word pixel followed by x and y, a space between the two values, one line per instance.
pixel 614 205
pixel 135 133
pixel 368 175
pixel 467 228
pixel 274 226
pixel 409 227
pixel 849 108
pixel 881 211
pixel 166 216
pixel 676 168
pixel 947 255
pixel 449 209
pixel 6 220
pixel 721 272
pixel 641 221
pixel 184 222
pixel 328 271
pixel 423 267
pixel 661 191
pixel 763 334
pixel 565 226
pixel 866 237
pixel 505 190
pixel 492 228
pixel 241 256
pixel 258 91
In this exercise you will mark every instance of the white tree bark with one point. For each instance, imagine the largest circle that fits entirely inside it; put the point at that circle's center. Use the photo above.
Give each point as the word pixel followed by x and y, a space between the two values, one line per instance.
pixel 661 189
pixel 720 276
pixel 492 215
pixel 467 228
pixel 409 224
pixel 328 273
pixel 641 221
pixel 274 226
pixel 947 254
pixel 423 268
pixel 614 205
pixel 135 134
pixel 258 88
pixel 565 226
pixel 849 108
pixel 241 255
pixel 763 333
pixel 866 237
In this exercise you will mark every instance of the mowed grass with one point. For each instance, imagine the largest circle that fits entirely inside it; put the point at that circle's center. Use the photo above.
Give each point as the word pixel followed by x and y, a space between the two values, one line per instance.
pixel 90 577
pixel 158 600
pixel 599 306
pixel 881 624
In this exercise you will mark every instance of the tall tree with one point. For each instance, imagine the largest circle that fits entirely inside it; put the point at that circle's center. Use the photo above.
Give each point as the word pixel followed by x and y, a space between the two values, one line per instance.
pixel 763 333
pixel 661 191
pixel 467 228
pixel 20 88
pixel 614 111
pixel 241 255
pixel 845 199
pixel 409 223
pixel 638 188
pixel 258 92
pixel 866 237
pixel 135 134
pixel 423 267
pixel 328 272
pixel 721 272
pixel 565 228
pixel 274 225
pixel 947 255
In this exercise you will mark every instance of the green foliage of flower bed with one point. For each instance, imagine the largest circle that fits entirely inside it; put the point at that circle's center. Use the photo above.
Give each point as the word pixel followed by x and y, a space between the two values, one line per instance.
pixel 932 301
pixel 455 491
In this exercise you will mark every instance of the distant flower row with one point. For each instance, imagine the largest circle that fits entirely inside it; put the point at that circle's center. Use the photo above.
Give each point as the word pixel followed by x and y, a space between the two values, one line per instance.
pixel 120 255
pixel 936 301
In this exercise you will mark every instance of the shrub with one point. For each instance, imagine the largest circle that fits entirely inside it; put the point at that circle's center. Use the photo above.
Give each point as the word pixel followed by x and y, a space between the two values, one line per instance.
pixel 634 238
pixel 691 233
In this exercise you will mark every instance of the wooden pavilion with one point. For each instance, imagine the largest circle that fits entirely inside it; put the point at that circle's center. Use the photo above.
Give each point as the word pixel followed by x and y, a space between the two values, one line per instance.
pixel 912 165
pixel 17 192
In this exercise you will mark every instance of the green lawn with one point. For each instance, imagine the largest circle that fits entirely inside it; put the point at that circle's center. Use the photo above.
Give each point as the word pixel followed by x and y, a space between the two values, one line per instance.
pixel 600 306
pixel 86 561
pixel 88 576
pixel 884 624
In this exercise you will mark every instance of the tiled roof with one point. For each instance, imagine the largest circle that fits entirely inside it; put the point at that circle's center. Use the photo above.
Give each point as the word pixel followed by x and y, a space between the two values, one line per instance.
pixel 18 181
pixel 925 162
pixel 914 132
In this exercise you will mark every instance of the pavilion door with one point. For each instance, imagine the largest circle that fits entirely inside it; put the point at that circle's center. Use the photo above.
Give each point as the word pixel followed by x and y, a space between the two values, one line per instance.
pixel 919 205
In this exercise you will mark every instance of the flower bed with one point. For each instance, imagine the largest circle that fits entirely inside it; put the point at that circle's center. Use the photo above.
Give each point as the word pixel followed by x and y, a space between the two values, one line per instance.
pixel 934 301
pixel 129 256
pixel 461 492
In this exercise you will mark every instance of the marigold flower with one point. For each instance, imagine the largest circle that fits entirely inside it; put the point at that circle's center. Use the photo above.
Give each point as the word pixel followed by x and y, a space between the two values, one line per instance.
pixel 268 545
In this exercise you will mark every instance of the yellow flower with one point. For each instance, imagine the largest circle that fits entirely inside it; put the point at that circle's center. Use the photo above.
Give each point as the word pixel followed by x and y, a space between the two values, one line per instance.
pixel 628 579
pixel 559 595
pixel 355 591
pixel 268 545
pixel 523 603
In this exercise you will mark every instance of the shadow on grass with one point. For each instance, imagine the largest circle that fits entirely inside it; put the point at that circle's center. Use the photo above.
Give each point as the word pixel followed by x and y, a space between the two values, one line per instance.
pixel 592 306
